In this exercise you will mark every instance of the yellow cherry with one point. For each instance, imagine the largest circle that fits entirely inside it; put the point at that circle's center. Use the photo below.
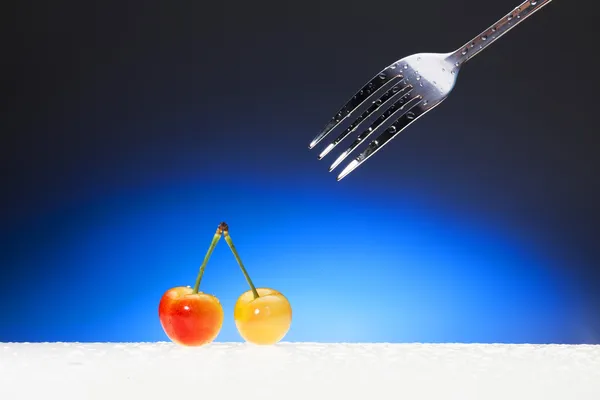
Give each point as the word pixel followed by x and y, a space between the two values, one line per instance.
pixel 265 319
pixel 262 316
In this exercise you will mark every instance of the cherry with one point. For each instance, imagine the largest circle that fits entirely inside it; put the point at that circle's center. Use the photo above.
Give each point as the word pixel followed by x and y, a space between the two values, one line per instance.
pixel 265 319
pixel 190 317
pixel 262 316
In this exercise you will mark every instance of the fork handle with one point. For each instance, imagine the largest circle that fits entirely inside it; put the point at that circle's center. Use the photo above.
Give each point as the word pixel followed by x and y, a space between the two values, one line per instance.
pixel 493 33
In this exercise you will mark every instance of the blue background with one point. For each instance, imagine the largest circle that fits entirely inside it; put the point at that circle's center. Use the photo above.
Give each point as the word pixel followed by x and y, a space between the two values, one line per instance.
pixel 136 130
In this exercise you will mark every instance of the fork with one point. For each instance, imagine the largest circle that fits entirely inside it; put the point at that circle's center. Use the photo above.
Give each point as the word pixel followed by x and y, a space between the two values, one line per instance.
pixel 405 91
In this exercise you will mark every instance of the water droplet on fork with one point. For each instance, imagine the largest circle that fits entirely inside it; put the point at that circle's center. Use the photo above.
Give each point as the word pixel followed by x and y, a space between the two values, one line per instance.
pixel 421 84
pixel 405 66
pixel 410 115
pixel 425 103
pixel 465 51
pixel 494 29
pixel 484 38
pixel 533 2
pixel 418 77
pixel 392 129
pixel 381 76
pixel 510 17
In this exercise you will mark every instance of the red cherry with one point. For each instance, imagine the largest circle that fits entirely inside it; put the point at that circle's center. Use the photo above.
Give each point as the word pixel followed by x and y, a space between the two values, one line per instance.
pixel 188 318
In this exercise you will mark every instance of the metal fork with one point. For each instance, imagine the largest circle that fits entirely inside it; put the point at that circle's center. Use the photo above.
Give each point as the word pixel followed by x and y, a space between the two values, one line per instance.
pixel 406 90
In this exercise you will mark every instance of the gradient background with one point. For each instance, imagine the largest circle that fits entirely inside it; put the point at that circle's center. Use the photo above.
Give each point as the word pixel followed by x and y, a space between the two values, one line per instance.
pixel 130 130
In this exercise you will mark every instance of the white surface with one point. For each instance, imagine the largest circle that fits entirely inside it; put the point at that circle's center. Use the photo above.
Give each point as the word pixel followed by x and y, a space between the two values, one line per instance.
pixel 305 371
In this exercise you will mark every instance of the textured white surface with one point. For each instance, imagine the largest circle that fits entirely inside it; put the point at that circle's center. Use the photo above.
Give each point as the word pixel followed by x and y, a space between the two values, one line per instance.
pixel 298 371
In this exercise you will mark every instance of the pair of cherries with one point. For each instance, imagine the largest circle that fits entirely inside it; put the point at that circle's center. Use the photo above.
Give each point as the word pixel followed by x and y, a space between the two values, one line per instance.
pixel 190 317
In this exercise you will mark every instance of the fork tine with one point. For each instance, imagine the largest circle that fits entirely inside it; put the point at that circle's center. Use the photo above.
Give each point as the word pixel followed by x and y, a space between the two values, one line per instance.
pixel 397 91
pixel 371 90
pixel 409 116
pixel 402 106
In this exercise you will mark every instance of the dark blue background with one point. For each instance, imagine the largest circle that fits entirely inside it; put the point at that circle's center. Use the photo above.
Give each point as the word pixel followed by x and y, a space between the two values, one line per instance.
pixel 130 130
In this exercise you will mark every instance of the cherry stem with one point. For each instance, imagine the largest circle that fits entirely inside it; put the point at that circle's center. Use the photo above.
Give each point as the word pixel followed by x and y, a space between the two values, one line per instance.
pixel 238 259
pixel 211 248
